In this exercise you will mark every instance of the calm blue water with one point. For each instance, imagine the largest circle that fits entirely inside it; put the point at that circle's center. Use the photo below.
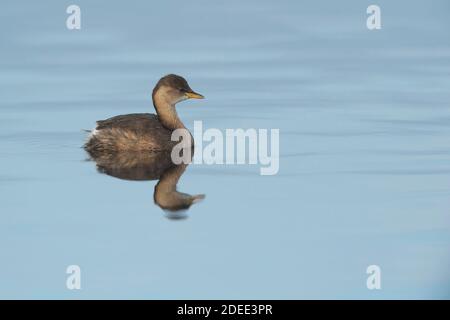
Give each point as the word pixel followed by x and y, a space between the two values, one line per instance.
pixel 364 119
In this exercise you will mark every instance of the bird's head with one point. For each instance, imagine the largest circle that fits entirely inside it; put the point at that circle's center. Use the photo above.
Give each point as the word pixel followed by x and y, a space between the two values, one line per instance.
pixel 172 89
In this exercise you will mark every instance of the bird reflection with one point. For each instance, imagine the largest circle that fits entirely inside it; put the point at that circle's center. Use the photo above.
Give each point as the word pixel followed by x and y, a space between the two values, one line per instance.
pixel 141 166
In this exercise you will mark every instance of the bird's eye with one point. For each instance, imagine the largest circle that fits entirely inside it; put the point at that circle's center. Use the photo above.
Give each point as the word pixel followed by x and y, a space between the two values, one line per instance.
pixel 182 90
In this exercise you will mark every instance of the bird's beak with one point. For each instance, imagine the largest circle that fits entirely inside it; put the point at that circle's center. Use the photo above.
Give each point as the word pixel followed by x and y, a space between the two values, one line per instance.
pixel 194 95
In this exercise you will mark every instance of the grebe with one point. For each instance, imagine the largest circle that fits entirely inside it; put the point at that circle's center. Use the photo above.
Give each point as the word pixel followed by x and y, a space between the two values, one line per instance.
pixel 144 131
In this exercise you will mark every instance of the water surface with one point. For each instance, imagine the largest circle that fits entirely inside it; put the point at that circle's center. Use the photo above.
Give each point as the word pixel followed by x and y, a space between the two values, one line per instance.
pixel 364 178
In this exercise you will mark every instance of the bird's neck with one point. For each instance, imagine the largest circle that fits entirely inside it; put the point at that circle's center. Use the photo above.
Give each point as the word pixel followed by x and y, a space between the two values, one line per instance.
pixel 167 113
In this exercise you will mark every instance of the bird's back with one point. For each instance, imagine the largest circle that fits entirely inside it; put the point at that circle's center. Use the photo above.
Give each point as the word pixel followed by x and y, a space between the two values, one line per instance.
pixel 135 122
pixel 131 132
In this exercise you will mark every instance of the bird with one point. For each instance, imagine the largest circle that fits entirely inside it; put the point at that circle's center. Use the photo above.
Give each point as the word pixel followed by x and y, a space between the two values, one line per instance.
pixel 144 132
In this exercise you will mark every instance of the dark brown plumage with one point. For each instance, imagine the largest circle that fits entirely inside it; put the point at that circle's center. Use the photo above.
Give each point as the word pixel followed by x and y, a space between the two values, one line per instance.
pixel 138 146
pixel 131 132
pixel 144 132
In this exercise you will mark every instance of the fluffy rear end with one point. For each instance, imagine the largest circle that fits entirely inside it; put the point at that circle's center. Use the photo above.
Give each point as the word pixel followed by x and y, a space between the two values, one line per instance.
pixel 118 140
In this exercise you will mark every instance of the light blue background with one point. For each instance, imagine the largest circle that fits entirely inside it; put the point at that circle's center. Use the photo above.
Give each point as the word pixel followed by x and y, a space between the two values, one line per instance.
pixel 364 118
